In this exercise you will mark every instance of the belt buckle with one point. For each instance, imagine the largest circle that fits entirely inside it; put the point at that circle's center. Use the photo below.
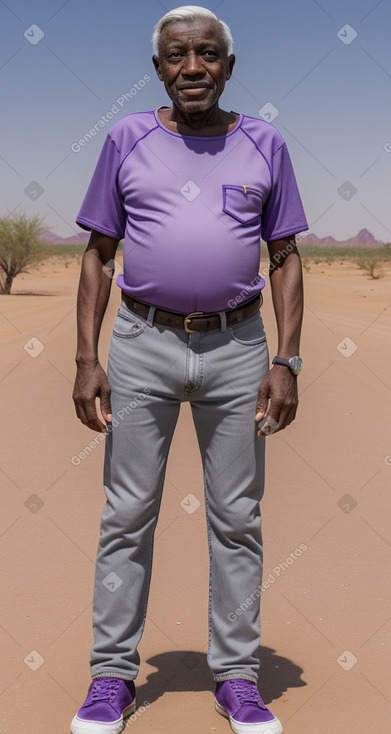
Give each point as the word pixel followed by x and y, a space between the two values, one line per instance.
pixel 188 318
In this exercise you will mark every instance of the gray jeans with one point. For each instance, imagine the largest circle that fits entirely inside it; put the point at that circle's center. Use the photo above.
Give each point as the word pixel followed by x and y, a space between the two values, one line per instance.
pixel 151 370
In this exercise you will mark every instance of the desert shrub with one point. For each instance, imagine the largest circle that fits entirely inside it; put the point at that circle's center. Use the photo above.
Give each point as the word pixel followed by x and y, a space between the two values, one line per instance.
pixel 371 266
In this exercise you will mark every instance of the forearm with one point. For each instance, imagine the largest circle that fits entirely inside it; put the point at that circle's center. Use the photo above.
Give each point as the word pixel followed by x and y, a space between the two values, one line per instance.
pixel 286 280
pixel 277 396
pixel 93 295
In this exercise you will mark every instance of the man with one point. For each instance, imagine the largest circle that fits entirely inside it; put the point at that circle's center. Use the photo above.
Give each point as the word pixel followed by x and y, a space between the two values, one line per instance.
pixel 190 188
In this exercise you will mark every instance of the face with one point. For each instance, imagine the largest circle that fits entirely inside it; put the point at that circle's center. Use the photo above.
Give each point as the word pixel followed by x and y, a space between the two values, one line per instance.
pixel 193 64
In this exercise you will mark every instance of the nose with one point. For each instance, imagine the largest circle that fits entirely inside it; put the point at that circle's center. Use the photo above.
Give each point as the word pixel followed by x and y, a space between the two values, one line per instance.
pixel 192 65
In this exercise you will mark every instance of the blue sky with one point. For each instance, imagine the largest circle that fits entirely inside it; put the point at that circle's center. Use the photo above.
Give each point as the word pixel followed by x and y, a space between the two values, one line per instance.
pixel 331 89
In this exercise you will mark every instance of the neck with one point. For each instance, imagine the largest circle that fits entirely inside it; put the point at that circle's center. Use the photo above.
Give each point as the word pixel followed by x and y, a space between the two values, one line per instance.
pixel 201 124
pixel 198 120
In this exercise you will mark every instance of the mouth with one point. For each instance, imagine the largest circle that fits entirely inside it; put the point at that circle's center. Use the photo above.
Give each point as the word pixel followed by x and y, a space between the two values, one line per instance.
pixel 193 87
pixel 194 91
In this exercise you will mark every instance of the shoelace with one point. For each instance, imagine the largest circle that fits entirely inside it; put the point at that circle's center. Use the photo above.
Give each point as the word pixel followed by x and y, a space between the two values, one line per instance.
pixel 105 690
pixel 247 692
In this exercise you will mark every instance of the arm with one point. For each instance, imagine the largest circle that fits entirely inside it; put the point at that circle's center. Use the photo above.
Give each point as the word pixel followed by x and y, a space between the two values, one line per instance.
pixel 93 295
pixel 278 396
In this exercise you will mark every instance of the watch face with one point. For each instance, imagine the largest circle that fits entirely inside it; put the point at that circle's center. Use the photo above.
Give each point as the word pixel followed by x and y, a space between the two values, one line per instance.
pixel 296 364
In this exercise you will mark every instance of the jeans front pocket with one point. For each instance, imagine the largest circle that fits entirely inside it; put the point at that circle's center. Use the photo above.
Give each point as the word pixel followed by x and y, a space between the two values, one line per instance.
pixel 249 332
pixel 127 324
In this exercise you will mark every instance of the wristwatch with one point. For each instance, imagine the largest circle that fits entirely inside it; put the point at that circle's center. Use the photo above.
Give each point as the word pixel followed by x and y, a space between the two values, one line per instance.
pixel 295 364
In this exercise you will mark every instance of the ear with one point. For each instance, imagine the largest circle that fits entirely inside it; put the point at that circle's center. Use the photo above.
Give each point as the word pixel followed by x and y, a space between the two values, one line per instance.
pixel 231 63
pixel 156 63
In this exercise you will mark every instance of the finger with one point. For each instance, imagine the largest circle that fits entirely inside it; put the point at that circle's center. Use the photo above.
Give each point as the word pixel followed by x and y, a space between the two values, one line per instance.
pixel 288 410
pixel 80 412
pixel 267 426
pixel 287 415
pixel 271 420
pixel 97 426
pixel 262 403
pixel 105 405
pixel 89 417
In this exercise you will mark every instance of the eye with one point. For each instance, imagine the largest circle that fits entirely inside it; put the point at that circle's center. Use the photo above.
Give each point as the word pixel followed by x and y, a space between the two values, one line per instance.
pixel 174 55
pixel 210 53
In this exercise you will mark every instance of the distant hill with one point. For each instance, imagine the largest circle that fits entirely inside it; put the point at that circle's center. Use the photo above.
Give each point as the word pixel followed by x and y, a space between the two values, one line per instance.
pixel 77 239
pixel 363 239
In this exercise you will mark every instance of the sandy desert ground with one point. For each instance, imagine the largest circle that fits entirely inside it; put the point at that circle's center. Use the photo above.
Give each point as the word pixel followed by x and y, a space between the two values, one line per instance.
pixel 326 614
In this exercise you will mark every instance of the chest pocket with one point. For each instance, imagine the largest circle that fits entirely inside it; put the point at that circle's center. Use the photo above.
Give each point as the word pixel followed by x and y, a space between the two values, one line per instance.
pixel 242 203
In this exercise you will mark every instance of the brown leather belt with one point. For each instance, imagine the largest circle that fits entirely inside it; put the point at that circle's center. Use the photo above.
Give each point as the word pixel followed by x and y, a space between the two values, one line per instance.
pixel 195 321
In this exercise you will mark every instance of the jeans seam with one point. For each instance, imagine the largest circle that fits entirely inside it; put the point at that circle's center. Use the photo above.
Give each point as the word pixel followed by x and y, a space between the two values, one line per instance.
pixel 210 637
pixel 189 388
pixel 150 568
pixel 112 674
pixel 200 375
pixel 234 676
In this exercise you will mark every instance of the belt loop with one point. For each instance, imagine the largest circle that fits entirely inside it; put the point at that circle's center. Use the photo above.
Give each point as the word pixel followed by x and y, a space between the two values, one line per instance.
pixel 151 315
pixel 223 320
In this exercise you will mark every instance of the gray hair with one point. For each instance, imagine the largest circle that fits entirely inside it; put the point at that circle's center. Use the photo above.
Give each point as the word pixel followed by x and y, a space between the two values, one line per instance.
pixel 190 12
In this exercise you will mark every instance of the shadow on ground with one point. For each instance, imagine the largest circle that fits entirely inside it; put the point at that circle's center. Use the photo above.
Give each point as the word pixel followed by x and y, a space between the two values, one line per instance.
pixel 186 670
pixel 32 293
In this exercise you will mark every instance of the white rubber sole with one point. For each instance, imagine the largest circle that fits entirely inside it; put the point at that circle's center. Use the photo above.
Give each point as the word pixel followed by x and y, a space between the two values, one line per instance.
pixel 82 726
pixel 270 727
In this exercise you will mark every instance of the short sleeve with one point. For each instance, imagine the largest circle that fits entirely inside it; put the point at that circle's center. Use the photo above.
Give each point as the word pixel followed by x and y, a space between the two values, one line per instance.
pixel 102 208
pixel 283 212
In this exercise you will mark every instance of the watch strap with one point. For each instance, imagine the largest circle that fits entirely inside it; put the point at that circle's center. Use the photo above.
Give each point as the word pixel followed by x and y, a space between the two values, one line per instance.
pixel 281 360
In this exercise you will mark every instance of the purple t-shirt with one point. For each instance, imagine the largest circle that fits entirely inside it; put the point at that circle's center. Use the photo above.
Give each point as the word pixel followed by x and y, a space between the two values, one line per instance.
pixel 192 209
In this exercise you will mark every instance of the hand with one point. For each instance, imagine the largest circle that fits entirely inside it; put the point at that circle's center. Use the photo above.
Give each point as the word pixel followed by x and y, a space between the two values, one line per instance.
pixel 277 400
pixel 91 382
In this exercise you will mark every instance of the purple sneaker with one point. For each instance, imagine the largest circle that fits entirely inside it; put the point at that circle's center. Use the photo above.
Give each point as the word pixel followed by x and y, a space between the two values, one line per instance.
pixel 108 701
pixel 239 701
